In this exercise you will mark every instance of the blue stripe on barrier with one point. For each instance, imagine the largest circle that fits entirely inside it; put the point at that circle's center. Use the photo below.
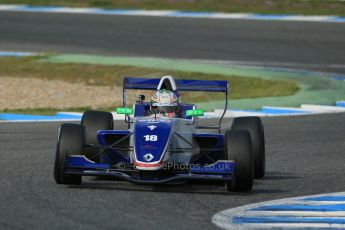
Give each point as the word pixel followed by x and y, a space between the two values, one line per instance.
pixel 269 16
pixel 272 111
pixel 339 19
pixel 15 54
pixel 281 111
pixel 63 114
pixel 37 8
pixel 326 198
pixel 302 207
pixel 26 117
pixel 339 77
pixel 340 103
pixel 306 212
pixel 283 219
pixel 41 8
pixel 113 12
pixel 190 14
pixel 168 13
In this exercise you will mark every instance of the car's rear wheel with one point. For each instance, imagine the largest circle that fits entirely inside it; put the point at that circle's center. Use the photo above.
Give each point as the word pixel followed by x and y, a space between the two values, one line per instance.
pixel 254 126
pixel 71 141
pixel 238 148
pixel 94 121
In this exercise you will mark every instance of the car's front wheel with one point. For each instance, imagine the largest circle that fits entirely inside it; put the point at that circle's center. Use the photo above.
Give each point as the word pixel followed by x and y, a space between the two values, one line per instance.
pixel 256 130
pixel 71 141
pixel 238 148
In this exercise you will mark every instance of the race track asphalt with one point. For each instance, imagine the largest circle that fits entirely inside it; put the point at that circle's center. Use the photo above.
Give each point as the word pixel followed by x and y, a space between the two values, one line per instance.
pixel 302 45
pixel 305 155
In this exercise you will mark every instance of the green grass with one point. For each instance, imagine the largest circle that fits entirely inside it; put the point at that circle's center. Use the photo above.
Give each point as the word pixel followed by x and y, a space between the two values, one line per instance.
pixel 109 75
pixel 307 7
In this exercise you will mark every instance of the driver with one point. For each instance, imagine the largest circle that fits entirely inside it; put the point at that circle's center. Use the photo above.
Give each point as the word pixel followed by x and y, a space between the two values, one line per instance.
pixel 164 103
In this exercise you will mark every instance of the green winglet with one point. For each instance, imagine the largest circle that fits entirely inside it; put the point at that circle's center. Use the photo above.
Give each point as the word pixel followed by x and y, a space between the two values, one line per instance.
pixel 127 111
pixel 195 113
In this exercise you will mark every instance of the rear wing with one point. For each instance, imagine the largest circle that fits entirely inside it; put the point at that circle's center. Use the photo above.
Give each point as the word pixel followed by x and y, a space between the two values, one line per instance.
pixel 180 85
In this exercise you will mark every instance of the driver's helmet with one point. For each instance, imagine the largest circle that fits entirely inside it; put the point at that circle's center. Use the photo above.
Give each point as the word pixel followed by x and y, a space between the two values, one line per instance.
pixel 165 102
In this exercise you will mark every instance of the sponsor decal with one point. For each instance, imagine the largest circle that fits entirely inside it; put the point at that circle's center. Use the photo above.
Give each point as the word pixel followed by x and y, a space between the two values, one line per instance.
pixel 150 121
pixel 152 138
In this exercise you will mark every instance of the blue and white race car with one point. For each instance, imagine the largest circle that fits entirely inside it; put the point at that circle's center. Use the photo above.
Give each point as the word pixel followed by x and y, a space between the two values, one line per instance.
pixel 163 142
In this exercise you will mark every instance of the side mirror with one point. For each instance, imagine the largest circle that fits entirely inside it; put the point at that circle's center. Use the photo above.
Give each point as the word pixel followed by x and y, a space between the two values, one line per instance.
pixel 195 113
pixel 126 111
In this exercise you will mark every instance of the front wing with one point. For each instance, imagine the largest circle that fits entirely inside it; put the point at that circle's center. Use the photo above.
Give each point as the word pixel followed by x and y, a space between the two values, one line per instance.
pixel 218 171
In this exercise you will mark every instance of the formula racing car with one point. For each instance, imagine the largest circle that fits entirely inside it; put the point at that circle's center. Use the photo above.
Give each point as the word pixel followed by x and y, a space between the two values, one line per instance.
pixel 163 142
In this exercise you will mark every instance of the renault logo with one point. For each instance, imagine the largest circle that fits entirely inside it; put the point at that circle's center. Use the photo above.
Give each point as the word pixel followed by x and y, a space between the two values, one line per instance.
pixel 151 127
pixel 148 157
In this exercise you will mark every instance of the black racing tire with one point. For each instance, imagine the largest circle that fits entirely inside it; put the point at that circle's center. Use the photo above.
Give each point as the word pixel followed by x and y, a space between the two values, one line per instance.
pixel 238 148
pixel 256 129
pixel 71 141
pixel 94 121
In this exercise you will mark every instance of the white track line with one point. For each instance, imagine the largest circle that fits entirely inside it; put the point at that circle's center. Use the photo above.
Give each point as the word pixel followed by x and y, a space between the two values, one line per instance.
pixel 322 108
